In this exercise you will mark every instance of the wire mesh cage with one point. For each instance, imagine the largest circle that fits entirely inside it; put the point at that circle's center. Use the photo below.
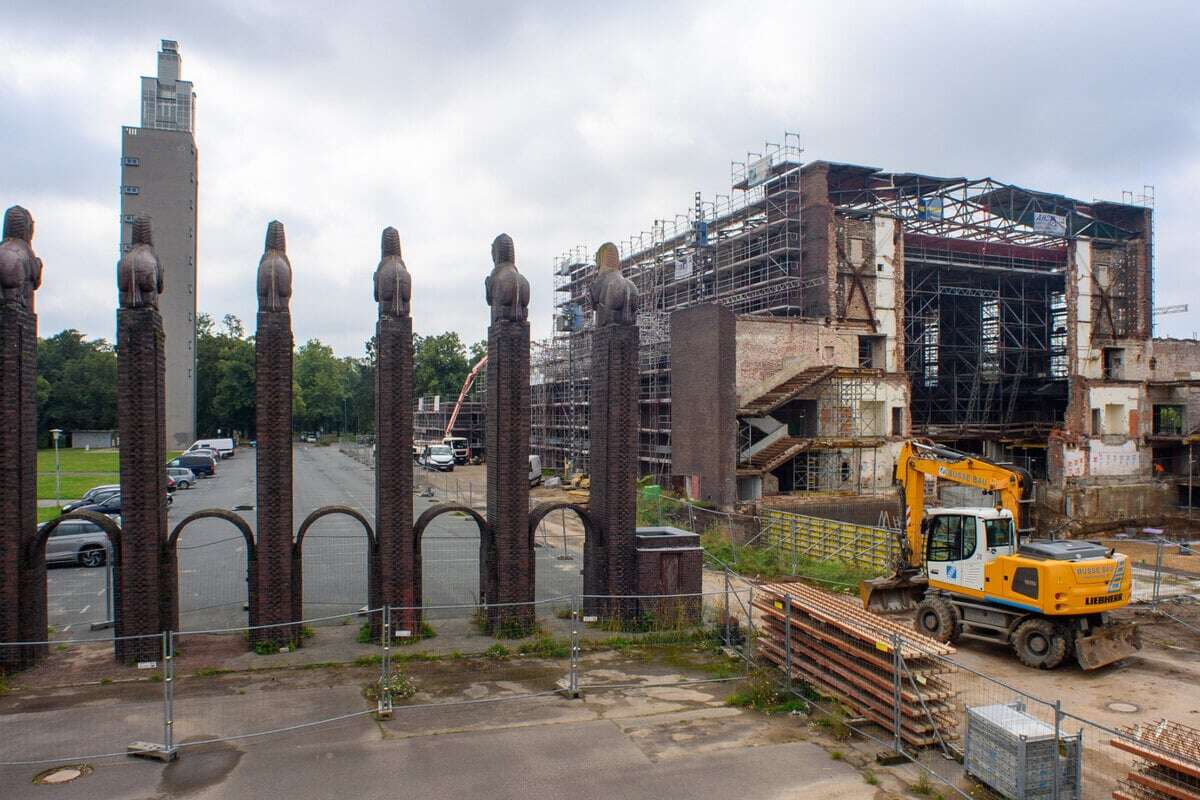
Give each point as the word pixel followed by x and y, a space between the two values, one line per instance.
pixel 1015 754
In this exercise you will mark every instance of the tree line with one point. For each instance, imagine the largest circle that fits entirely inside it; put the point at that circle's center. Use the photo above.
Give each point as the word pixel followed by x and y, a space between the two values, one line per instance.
pixel 77 380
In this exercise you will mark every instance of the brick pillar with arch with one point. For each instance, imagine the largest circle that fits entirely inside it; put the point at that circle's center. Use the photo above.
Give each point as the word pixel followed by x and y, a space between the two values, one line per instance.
pixel 613 433
pixel 400 561
pixel 273 419
pixel 22 589
pixel 145 601
pixel 507 561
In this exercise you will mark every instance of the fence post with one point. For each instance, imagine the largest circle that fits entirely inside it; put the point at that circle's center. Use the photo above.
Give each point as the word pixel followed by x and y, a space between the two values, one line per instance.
pixel 750 624
pixel 787 637
pixel 168 643
pixel 573 679
pixel 1158 568
pixel 691 517
pixel 897 711
pixel 728 610
pixel 732 541
pixel 1057 746
pixel 795 546
pixel 384 706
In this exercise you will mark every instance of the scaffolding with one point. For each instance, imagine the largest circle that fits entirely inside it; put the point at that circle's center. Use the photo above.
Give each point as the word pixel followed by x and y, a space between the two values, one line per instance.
pixel 741 250
pixel 432 415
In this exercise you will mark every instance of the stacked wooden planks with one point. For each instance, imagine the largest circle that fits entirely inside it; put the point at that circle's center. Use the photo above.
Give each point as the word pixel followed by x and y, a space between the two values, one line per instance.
pixel 846 652
pixel 1169 765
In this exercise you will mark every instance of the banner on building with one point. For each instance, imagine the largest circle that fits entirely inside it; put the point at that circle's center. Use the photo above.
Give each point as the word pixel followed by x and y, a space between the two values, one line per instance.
pixel 758 172
pixel 1050 224
pixel 683 267
pixel 930 208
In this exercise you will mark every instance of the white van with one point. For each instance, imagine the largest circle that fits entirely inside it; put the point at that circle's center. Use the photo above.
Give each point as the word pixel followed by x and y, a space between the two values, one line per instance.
pixel 535 470
pixel 222 446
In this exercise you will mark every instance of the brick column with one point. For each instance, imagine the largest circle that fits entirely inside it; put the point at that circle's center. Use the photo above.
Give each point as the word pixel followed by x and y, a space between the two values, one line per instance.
pixel 273 458
pixel 506 561
pixel 141 410
pixel 22 579
pixel 613 433
pixel 400 560
pixel 508 475
pixel 22 588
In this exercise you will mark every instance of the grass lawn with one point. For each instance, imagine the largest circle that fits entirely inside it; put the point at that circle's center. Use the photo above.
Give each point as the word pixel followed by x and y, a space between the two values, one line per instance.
pixel 48 513
pixel 78 461
pixel 73 484
pixel 81 470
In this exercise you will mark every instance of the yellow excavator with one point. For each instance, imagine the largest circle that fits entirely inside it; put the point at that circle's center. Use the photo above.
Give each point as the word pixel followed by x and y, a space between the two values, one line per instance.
pixel 977 573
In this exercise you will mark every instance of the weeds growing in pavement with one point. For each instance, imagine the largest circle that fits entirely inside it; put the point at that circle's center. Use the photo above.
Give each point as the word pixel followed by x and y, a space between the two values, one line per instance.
pixel 426 632
pixel 762 692
pixel 497 651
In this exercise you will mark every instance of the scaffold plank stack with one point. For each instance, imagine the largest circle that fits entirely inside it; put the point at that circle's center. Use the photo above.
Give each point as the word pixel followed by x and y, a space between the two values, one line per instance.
pixel 1168 766
pixel 845 652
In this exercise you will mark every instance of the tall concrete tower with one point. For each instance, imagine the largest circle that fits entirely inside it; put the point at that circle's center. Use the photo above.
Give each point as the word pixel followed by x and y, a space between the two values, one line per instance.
pixel 158 178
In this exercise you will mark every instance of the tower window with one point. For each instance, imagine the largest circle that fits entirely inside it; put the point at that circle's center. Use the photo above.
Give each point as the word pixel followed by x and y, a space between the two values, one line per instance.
pixel 131 189
pixel 131 161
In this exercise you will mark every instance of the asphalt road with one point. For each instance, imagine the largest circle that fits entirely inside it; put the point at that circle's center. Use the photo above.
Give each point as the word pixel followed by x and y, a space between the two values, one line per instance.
pixel 212 567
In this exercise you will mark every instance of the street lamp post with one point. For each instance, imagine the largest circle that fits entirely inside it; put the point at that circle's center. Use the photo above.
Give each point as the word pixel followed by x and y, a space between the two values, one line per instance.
pixel 56 434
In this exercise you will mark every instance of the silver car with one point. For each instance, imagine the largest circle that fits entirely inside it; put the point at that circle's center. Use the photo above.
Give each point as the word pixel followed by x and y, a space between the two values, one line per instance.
pixel 77 541
pixel 184 477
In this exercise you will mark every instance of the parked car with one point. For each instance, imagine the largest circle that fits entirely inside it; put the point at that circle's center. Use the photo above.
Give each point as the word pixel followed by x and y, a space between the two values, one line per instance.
pixel 77 541
pixel 170 486
pixel 535 470
pixel 222 447
pixel 92 496
pixel 199 465
pixel 438 456
pixel 184 477
pixel 204 451
pixel 110 506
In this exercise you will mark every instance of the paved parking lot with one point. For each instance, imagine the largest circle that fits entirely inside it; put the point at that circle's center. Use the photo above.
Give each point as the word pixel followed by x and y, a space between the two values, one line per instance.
pixel 212 566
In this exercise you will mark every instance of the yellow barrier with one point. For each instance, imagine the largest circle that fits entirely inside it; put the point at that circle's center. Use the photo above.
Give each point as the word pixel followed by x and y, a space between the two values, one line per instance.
pixel 829 539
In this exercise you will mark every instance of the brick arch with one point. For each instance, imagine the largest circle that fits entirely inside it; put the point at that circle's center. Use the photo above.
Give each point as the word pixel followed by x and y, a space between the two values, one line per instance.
pixel 374 593
pixel 169 562
pixel 595 556
pixel 489 575
pixel 34 569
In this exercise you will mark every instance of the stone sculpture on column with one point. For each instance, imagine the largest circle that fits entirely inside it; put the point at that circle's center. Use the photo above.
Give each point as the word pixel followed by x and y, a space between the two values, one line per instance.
pixel 400 560
pixel 22 595
pixel 507 560
pixel 613 424
pixel 146 603
pixel 278 603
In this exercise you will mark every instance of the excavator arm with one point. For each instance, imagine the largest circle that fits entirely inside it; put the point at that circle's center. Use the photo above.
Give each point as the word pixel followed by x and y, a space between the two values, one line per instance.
pixel 1011 486
pixel 916 462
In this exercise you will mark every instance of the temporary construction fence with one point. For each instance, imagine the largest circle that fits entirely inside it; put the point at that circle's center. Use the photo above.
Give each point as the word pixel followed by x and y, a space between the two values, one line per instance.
pixel 829 539
pixel 79 704
pixel 861 658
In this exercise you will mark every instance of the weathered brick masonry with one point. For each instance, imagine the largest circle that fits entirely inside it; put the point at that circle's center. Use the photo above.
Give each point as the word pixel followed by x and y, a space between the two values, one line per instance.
pixel 141 404
pixel 614 439
pixel 400 559
pixel 507 571
pixel 22 594
pixel 273 395
pixel 510 578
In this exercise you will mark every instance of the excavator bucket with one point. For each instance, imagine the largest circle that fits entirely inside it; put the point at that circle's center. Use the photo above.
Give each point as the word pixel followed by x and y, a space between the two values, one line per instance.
pixel 1108 644
pixel 897 593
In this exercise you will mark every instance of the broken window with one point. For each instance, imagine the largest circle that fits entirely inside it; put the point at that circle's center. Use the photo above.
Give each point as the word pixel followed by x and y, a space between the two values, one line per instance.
pixel 1113 358
pixel 1168 420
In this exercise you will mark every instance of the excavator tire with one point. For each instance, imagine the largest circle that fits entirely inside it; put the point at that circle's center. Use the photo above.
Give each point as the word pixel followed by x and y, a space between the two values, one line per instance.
pixel 1040 643
pixel 937 619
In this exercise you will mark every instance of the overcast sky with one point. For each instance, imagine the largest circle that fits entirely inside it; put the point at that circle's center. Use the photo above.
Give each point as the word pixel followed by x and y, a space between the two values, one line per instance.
pixel 564 124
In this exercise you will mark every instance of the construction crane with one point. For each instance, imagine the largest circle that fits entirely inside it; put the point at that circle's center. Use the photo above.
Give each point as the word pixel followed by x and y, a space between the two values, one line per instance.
pixel 977 573
pixel 459 444
pixel 1178 309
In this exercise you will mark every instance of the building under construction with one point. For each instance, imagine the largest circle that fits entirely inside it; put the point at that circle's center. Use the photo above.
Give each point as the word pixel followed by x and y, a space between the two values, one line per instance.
pixel 797 329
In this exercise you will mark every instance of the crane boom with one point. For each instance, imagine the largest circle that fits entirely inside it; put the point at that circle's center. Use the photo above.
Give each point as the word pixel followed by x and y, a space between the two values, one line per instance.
pixel 466 387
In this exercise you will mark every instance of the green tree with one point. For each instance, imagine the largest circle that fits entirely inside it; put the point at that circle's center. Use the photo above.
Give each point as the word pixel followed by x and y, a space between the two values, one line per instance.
pixel 440 365
pixel 77 384
pixel 225 375
pixel 320 376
